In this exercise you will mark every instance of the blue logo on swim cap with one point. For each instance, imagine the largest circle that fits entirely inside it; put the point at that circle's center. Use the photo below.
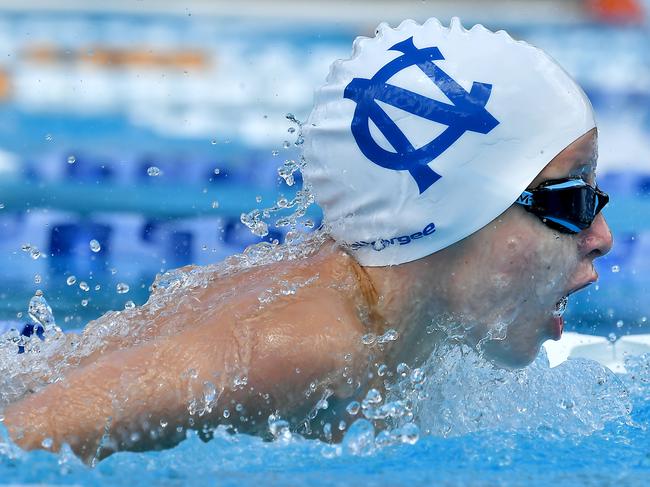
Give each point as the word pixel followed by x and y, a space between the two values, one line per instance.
pixel 467 112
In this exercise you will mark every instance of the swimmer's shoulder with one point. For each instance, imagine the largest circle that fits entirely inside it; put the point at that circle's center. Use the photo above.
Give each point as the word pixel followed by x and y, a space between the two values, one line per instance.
pixel 316 325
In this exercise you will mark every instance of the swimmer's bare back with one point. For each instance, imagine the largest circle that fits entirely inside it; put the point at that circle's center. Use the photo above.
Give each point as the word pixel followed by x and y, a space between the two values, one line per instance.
pixel 272 339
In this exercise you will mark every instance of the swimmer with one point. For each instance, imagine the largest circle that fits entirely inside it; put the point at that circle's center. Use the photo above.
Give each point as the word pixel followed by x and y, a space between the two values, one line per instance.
pixel 456 172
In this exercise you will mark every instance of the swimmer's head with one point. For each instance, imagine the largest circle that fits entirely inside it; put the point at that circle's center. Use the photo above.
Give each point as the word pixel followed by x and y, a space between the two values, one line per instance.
pixel 427 133
pixel 505 281
pixel 499 288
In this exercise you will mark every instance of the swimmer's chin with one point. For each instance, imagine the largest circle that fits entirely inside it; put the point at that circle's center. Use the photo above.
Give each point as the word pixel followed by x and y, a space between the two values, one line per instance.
pixel 505 356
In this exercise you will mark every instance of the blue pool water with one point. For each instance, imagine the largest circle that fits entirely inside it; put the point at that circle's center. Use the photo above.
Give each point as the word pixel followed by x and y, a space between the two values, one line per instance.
pixel 565 445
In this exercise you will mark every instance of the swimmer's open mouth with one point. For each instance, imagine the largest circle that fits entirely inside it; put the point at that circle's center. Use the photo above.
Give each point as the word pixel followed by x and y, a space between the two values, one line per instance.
pixel 560 307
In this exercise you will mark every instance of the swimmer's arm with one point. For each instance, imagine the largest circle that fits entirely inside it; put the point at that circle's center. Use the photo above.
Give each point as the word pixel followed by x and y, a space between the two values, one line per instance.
pixel 127 393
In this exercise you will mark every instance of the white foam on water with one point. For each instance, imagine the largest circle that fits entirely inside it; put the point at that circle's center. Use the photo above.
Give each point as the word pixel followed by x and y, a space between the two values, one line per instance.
pixel 465 393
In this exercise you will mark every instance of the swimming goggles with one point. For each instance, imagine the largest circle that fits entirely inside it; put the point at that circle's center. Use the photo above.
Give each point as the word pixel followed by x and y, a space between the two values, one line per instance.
pixel 568 205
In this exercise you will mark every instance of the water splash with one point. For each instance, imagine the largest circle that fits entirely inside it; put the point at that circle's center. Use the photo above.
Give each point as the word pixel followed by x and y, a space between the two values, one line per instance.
pixel 256 219
pixel 29 371
pixel 464 393
pixel 40 311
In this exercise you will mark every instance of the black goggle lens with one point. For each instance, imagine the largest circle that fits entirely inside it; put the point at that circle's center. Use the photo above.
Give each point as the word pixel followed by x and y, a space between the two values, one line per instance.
pixel 566 205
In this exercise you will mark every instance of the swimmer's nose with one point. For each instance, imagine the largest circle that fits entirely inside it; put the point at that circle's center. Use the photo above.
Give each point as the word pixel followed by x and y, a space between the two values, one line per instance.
pixel 596 240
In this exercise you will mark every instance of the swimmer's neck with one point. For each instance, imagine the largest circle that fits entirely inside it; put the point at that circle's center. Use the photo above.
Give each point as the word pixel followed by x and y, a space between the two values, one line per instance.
pixel 411 300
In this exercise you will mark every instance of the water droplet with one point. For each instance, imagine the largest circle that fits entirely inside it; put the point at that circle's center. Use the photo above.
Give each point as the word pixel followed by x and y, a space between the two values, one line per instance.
pixel 47 443
pixel 373 397
pixel 253 221
pixel 226 413
pixel 286 144
pixel 616 268
pixel 72 159
pixel 129 304
pixel 389 336
pixel 612 337
pixel 153 171
pixel 291 130
pixel 49 138
pixel 84 302
pixel 217 170
pixel 163 423
pixel 382 370
pixel 34 253
pixel 368 338
pixel 215 204
pixel 97 287
pixel 240 381
pixel 619 324
pixel 94 246
pixel 37 278
pixel 417 376
pixel 360 438
pixel 409 433
pixel 71 280
pixel 122 288
pixel 279 428
pixel 275 153
pixel 2 205
pixel 258 199
pixel 327 431
pixel 26 247
pixel 83 285
pixel 213 141
pixel 403 370
pixel 39 311
pixel 353 408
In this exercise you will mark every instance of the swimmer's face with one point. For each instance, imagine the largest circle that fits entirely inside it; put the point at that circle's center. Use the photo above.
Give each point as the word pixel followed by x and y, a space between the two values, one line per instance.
pixel 509 276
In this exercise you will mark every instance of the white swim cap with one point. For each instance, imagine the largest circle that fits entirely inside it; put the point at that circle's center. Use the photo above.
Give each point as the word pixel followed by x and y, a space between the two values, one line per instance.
pixel 428 133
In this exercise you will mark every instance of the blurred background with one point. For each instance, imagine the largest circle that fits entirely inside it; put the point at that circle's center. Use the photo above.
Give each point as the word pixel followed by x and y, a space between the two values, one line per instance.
pixel 133 134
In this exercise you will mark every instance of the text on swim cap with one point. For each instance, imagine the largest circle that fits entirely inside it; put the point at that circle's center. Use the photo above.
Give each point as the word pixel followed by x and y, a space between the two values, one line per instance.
pixel 381 244
pixel 465 113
